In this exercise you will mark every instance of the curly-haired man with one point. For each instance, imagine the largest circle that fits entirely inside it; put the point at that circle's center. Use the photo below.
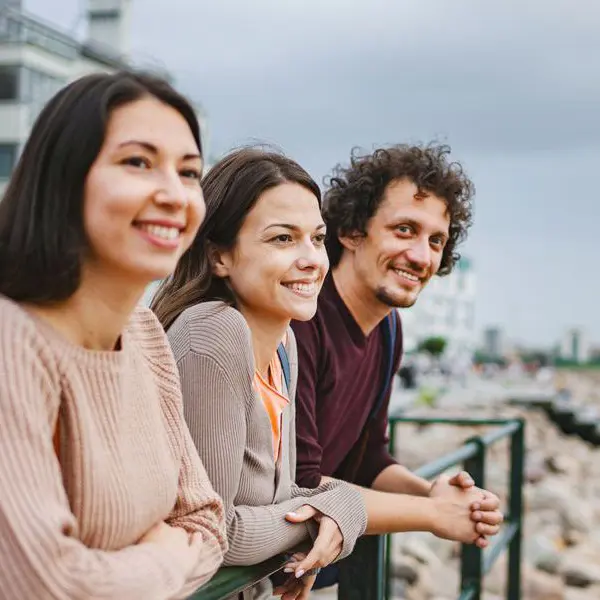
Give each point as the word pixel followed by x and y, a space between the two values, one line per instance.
pixel 394 219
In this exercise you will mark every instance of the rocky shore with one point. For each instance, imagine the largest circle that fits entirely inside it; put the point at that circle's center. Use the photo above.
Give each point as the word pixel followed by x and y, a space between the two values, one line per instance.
pixel 561 545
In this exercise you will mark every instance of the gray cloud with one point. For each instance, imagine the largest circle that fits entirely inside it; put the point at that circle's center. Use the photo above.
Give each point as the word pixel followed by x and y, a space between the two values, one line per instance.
pixel 512 86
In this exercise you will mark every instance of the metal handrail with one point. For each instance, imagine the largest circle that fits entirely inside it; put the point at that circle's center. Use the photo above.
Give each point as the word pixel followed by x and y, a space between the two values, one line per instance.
pixel 365 574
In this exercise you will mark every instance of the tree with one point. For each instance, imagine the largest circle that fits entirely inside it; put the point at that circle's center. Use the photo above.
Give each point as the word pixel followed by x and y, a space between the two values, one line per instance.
pixel 434 346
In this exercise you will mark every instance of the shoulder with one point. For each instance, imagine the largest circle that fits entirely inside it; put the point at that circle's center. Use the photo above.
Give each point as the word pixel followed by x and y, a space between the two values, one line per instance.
pixel 145 330
pixel 213 329
pixel 25 352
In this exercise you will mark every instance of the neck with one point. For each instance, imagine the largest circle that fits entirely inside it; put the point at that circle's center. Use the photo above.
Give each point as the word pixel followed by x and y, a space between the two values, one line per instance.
pixel 362 303
pixel 97 313
pixel 267 334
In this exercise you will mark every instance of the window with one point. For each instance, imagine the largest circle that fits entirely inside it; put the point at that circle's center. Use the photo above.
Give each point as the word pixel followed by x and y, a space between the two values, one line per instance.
pixel 9 83
pixel 8 156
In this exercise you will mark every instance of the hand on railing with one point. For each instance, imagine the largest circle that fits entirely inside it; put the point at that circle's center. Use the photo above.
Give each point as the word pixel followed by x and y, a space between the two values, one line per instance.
pixel 464 514
pixel 327 546
pixel 294 588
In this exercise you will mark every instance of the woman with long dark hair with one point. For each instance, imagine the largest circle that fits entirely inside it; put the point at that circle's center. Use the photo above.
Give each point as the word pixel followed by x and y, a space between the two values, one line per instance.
pixel 103 493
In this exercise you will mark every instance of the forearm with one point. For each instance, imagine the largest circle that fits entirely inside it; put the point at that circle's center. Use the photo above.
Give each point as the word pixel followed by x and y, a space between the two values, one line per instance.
pixel 396 513
pixel 389 512
pixel 397 479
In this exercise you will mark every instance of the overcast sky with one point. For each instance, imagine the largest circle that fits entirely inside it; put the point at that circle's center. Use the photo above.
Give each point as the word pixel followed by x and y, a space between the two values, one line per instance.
pixel 513 87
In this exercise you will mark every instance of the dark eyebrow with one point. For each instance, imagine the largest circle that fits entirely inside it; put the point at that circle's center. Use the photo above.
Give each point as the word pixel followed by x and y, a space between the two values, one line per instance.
pixel 291 227
pixel 153 149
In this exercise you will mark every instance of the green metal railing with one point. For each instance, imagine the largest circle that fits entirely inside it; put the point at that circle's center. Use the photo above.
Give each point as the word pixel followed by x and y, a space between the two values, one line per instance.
pixel 365 574
pixel 475 563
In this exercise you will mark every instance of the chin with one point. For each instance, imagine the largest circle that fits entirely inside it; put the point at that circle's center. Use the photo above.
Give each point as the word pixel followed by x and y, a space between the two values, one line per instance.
pixel 305 313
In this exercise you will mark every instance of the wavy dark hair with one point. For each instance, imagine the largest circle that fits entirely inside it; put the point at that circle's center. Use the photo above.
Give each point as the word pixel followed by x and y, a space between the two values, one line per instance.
pixel 42 236
pixel 231 189
pixel 355 192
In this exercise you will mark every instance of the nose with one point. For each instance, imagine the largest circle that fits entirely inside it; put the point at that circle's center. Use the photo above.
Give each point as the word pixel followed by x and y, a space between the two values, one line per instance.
pixel 171 192
pixel 419 252
pixel 310 257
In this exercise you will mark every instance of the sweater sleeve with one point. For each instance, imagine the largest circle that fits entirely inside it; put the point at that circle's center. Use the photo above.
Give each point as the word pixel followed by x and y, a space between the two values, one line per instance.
pixel 216 417
pixel 41 555
pixel 335 499
pixel 198 508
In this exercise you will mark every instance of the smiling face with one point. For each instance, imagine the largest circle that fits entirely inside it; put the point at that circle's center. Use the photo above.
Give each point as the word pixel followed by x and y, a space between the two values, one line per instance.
pixel 277 266
pixel 142 200
pixel 403 245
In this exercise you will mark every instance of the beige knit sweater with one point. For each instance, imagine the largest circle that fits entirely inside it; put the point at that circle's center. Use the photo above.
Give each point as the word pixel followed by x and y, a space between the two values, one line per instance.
pixel 68 528
pixel 212 345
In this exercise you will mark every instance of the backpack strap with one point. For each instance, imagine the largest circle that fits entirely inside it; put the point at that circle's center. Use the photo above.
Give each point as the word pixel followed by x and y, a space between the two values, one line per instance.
pixel 285 365
pixel 390 328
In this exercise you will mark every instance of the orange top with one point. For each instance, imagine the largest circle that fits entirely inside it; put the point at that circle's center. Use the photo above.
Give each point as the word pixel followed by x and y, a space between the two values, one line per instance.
pixel 273 397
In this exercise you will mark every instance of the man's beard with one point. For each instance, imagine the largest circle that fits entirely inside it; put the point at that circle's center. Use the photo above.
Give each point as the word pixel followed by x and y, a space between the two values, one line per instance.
pixel 386 298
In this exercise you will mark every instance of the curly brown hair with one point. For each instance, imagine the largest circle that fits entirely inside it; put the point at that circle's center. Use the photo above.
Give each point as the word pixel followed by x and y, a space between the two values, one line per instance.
pixel 355 192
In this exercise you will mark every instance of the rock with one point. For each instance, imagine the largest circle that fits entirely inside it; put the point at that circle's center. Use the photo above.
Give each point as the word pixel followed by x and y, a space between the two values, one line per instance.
pixel 419 550
pixel 562 464
pixel 406 568
pixel 582 594
pixel 581 574
pixel 538 585
pixel 543 553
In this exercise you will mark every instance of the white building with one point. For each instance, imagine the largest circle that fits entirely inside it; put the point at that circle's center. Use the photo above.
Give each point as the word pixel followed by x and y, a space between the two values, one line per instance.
pixel 575 346
pixel 445 308
pixel 37 59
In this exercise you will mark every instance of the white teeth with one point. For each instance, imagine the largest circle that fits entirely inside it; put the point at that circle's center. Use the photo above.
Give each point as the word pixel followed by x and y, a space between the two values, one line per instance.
pixel 166 233
pixel 407 275
pixel 305 288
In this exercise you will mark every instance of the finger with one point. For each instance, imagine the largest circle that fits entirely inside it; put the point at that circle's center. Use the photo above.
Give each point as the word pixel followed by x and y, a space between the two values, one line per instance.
pixel 482 543
pixel 314 559
pixel 490 502
pixel 462 479
pixel 490 518
pixel 484 529
pixel 291 566
pixel 304 513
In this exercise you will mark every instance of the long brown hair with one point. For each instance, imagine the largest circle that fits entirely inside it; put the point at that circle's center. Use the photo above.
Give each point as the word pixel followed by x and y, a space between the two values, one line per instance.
pixel 231 189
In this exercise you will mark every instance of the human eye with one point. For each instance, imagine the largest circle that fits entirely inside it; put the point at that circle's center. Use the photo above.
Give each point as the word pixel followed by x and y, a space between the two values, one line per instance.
pixel 191 174
pixel 438 241
pixel 140 162
pixel 405 229
pixel 319 239
pixel 282 238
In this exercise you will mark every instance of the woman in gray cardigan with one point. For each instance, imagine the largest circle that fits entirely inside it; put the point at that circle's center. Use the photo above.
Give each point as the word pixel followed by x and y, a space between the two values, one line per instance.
pixel 266 257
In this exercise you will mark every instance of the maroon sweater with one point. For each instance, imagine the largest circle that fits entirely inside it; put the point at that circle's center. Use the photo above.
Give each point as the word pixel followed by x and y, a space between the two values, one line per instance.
pixel 340 376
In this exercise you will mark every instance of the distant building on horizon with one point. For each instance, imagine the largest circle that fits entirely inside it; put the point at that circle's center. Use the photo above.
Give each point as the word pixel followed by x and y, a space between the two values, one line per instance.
pixel 494 343
pixel 575 346
pixel 37 59
pixel 445 308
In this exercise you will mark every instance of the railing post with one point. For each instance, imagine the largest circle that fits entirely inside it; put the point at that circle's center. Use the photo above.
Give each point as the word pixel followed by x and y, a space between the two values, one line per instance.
pixel 471 568
pixel 517 461
pixel 387 590
pixel 362 574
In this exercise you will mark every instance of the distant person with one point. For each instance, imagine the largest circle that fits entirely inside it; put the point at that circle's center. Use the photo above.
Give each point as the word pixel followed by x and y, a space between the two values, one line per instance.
pixel 394 219
pixel 258 261
pixel 103 494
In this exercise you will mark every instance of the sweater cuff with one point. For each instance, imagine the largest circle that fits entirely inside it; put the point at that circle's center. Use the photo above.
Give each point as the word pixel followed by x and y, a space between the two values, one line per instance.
pixel 344 504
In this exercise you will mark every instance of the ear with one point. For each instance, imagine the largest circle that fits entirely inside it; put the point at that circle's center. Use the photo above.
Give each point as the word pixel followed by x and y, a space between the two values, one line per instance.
pixel 351 241
pixel 220 261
